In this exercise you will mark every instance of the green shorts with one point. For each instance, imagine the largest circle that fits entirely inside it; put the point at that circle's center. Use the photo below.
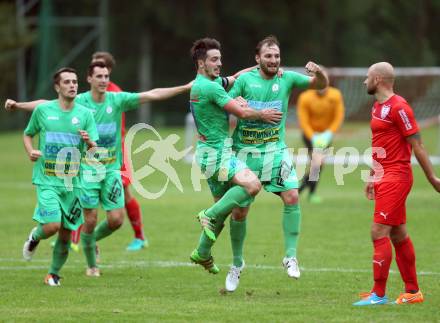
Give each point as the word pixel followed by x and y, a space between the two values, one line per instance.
pixel 108 192
pixel 219 167
pixel 275 170
pixel 56 204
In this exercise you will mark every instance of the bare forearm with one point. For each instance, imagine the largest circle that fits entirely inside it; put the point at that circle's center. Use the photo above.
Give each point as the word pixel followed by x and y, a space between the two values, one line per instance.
pixel 28 145
pixel 424 162
pixel 29 106
pixel 163 93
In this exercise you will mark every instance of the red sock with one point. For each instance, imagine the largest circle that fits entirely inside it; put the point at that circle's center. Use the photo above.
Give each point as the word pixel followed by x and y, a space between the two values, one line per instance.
pixel 135 216
pixel 75 235
pixel 382 257
pixel 406 261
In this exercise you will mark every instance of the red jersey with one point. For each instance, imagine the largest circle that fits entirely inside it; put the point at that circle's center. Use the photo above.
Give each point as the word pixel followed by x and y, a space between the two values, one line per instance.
pixel 391 122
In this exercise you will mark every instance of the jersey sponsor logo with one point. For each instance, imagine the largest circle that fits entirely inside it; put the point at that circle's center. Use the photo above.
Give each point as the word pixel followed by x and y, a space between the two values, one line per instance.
pixel 109 110
pixel 53 118
pixel 405 119
pixel 275 87
pixel 260 136
pixel 255 85
pixel 385 111
pixel 75 120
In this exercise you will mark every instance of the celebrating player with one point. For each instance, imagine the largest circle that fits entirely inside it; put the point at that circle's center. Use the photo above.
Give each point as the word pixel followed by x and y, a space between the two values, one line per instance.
pixel 395 133
pixel 232 184
pixel 66 130
pixel 105 185
pixel 262 147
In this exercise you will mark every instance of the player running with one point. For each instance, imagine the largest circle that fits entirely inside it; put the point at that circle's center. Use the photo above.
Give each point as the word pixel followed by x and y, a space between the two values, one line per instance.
pixel 66 130
pixel 262 147
pixel 395 132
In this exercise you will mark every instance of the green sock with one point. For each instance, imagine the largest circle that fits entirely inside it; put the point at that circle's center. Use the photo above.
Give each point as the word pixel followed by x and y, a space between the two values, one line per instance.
pixel 59 256
pixel 291 228
pixel 234 197
pixel 102 230
pixel 39 233
pixel 89 245
pixel 205 244
pixel 238 233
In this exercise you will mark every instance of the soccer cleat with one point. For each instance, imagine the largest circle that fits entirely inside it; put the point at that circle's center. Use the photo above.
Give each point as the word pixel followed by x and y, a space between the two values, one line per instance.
pixel 93 272
pixel 233 278
pixel 207 263
pixel 207 225
pixel 409 298
pixel 137 244
pixel 291 265
pixel 52 280
pixel 30 246
pixel 371 299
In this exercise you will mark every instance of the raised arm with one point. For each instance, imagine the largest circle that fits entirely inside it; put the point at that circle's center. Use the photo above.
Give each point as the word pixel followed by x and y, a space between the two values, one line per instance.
pixel 160 94
pixel 242 111
pixel 423 159
pixel 12 105
pixel 319 78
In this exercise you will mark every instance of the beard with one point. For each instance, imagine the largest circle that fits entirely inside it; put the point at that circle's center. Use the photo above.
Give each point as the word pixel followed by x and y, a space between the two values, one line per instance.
pixel 268 72
pixel 371 90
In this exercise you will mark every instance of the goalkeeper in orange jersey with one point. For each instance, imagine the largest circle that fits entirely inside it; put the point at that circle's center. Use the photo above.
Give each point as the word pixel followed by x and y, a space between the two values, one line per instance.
pixel 320 115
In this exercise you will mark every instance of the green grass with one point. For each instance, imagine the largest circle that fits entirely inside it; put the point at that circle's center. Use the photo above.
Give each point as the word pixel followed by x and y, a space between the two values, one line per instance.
pixel 159 284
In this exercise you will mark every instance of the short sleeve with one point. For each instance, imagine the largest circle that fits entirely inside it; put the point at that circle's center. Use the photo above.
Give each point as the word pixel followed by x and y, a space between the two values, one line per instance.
pixel 33 126
pixel 218 95
pixel 126 100
pixel 404 119
pixel 297 80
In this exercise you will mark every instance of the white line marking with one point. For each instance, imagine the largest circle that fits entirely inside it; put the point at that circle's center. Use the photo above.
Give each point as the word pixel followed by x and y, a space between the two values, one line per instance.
pixel 177 264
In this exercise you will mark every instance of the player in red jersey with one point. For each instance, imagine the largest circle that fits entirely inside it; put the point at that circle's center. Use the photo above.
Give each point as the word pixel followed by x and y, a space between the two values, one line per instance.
pixel 395 134
pixel 131 204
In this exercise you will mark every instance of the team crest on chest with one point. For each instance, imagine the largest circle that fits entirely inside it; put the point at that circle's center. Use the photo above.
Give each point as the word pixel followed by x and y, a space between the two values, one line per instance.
pixel 75 120
pixel 109 110
pixel 275 87
pixel 385 111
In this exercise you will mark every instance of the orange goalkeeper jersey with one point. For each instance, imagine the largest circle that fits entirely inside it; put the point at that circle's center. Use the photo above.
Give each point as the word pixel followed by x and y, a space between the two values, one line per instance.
pixel 318 113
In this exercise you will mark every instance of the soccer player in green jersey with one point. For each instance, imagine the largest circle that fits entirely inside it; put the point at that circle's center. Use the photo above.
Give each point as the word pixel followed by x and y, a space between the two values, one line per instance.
pixel 262 147
pixel 101 183
pixel 66 130
pixel 231 182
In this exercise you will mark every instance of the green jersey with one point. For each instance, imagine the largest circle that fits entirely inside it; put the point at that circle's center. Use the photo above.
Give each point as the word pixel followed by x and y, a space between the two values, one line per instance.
pixel 207 100
pixel 59 142
pixel 108 116
pixel 264 94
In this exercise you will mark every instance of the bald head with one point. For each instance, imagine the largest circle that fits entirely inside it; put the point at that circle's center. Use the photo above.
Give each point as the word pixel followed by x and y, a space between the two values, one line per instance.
pixel 384 71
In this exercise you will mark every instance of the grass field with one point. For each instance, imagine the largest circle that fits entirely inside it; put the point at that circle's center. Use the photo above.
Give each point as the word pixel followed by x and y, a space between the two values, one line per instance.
pixel 159 283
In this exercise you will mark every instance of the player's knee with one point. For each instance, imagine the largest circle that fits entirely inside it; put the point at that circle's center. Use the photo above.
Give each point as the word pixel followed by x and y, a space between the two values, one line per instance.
pixel 290 197
pixel 116 220
pixel 253 186
pixel 52 228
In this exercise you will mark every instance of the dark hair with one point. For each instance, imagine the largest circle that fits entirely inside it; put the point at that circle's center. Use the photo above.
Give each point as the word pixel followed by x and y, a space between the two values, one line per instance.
pixel 201 47
pixel 106 57
pixel 269 40
pixel 57 76
pixel 93 65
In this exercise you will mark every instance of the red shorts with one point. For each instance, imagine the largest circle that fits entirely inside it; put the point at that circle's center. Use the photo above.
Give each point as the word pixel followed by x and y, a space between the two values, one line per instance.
pixel 390 198
pixel 126 174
